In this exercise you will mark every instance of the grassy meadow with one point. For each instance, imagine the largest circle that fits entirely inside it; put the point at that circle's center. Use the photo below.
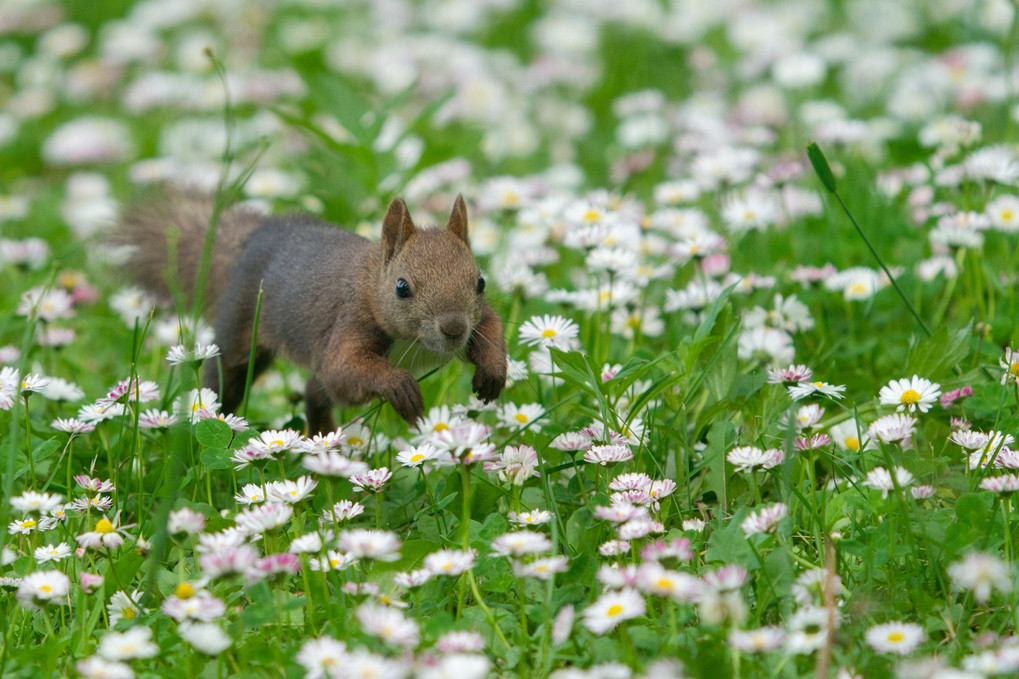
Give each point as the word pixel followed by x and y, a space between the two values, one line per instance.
pixel 757 267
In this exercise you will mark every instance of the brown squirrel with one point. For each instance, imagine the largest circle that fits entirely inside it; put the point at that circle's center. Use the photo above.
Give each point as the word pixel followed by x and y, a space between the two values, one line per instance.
pixel 332 301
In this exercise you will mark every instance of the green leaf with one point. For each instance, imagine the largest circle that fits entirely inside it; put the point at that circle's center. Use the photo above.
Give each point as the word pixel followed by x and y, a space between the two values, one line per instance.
pixel 46 449
pixel 729 545
pixel 821 166
pixel 216 458
pixel 973 509
pixel 213 433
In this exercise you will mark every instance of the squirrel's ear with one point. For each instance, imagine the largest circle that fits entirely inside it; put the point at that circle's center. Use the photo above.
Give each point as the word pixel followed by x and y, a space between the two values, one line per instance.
pixel 458 220
pixel 396 228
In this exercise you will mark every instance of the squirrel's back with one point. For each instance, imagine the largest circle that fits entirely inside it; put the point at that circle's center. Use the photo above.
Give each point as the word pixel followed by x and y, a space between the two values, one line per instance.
pixel 167 238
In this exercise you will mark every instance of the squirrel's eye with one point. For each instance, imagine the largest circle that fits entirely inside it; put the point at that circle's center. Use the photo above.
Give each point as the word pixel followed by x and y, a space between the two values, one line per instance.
pixel 481 284
pixel 402 289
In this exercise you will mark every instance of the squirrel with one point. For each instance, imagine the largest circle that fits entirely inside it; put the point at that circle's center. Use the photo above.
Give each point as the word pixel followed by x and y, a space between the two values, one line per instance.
pixel 332 301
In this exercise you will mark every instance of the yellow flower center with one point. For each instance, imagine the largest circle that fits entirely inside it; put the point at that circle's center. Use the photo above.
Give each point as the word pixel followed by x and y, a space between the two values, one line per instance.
pixel 591 215
pixel 1006 215
pixel 853 443
pixel 511 198
pixel 104 526
pixel 334 562
pixel 417 458
pixel 548 332
pixel 441 426
pixel 1013 369
pixel 275 444
pixel 909 397
pixel 446 566
pixel 614 610
pixel 664 583
pixel 128 613
pixel 521 418
pixel 896 637
pixel 355 441
pixel 184 591
pixel 857 288
pixel 29 523
pixel 45 588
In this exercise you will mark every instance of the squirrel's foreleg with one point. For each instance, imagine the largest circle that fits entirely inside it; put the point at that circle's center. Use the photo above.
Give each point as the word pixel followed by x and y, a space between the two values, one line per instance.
pixel 487 351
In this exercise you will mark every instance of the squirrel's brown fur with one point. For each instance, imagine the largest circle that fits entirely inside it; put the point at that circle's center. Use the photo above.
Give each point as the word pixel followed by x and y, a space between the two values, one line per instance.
pixel 332 301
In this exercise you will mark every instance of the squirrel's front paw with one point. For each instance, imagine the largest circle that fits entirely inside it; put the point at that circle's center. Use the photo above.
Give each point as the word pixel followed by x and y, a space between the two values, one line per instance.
pixel 404 394
pixel 489 380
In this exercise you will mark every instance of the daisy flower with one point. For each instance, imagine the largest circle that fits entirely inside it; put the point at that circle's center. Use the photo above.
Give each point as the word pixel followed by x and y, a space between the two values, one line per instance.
pixel 388 624
pixel 48 553
pixel 807 416
pixel 260 518
pixel 804 389
pixel 520 543
pixel 343 510
pixel 1006 483
pixel 764 520
pixel 250 494
pixel 794 374
pixel 381 545
pixel 915 393
pixel 42 587
pixel 449 562
pixel 900 638
pixel 105 535
pixel 333 463
pixel 512 416
pixel 746 458
pixel 371 480
pixel 96 667
pixel 136 642
pixel 549 331
pixel 612 608
pixel 535 517
pixel 846 436
pixel 179 354
pixel 610 453
pixel 980 573
pixel 187 604
pixel 322 657
pixel 542 568
pixel 156 419
pixel 515 465
pixel 416 456
pixel 760 640
pixel 879 478
pixel 207 637
pixel 291 491
pixel 1010 365
pixel 319 443
pixel 123 606
pixel 32 501
pixel 892 428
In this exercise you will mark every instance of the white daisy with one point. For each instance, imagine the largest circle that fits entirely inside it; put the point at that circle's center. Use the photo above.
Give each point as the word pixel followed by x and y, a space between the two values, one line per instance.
pixel 915 393
pixel 900 638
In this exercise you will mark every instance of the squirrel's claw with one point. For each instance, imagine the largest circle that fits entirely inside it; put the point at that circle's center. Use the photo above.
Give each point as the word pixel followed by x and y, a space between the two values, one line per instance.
pixel 404 394
pixel 488 385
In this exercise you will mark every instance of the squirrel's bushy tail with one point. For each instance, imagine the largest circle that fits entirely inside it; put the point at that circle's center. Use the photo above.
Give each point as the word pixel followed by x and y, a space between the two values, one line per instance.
pixel 167 238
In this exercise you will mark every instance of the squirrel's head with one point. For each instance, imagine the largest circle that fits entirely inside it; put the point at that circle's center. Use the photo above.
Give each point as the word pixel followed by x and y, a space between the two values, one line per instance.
pixel 430 288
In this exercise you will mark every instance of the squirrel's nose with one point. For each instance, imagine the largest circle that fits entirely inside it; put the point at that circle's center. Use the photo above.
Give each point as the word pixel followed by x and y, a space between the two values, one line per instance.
pixel 453 328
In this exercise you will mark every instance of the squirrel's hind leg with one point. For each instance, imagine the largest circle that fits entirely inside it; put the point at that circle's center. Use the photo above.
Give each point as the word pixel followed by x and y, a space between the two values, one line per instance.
pixel 318 408
pixel 234 376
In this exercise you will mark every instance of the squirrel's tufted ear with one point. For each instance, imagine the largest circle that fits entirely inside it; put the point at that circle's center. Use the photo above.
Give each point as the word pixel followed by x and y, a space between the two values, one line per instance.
pixel 458 220
pixel 396 228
